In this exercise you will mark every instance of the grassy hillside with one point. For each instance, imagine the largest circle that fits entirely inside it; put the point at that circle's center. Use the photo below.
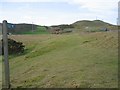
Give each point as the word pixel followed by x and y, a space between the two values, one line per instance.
pixel 95 25
pixel 84 25
pixel 68 60
pixel 24 28
pixel 38 30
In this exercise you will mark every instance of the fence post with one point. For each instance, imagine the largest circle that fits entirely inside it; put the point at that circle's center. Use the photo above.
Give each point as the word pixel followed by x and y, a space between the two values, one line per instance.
pixel 6 61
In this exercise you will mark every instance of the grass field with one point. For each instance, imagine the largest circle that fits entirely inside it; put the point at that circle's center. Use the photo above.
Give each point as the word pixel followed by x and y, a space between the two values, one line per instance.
pixel 38 30
pixel 82 60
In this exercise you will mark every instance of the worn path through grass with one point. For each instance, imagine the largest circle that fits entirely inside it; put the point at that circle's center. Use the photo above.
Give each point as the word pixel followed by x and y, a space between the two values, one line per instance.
pixel 71 60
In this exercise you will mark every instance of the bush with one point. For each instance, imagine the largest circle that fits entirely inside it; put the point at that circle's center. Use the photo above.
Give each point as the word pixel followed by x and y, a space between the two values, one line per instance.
pixel 14 47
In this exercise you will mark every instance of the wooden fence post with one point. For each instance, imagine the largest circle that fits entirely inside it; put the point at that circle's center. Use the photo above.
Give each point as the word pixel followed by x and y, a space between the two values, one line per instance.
pixel 6 61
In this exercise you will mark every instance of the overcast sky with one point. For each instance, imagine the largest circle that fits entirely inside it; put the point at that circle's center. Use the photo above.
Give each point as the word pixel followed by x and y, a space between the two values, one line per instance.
pixel 54 12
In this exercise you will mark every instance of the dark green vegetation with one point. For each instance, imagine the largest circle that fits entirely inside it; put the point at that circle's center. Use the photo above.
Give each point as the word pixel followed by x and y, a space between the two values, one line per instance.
pixel 82 60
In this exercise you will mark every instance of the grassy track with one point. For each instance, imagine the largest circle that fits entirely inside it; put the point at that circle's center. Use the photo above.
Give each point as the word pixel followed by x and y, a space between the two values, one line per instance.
pixel 85 60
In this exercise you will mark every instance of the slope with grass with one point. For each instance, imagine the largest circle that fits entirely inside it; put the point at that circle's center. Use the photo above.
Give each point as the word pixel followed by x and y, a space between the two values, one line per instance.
pixel 69 60
pixel 78 26
pixel 93 26
pixel 38 30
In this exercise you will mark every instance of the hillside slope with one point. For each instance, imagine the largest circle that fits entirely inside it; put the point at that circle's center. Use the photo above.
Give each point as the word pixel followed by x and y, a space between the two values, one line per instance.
pixel 69 60
pixel 93 25
pixel 24 28
pixel 84 25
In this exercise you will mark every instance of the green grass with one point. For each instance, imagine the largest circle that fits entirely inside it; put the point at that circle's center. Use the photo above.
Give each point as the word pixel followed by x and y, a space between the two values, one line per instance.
pixel 39 30
pixel 93 26
pixel 86 60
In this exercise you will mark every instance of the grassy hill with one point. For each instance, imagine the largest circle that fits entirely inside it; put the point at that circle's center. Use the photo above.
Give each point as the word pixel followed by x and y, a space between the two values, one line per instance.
pixel 74 60
pixel 84 25
pixel 95 25
pixel 38 30
pixel 91 23
pixel 82 60
pixel 24 28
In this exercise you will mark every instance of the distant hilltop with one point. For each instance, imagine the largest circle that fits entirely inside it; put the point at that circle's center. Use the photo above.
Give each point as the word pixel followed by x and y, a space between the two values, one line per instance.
pixel 79 25
pixel 96 24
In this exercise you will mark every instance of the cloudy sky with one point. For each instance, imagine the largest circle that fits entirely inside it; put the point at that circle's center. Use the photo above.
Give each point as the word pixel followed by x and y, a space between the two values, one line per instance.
pixel 54 12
